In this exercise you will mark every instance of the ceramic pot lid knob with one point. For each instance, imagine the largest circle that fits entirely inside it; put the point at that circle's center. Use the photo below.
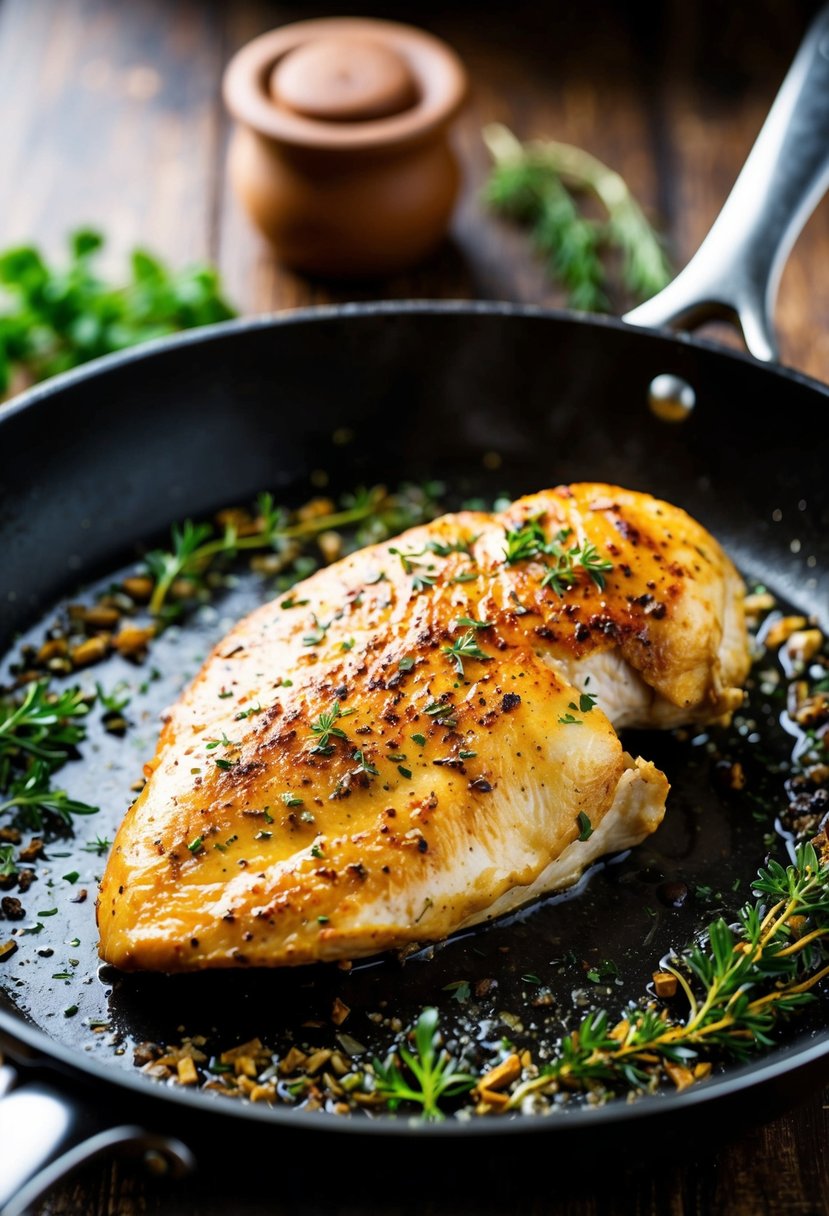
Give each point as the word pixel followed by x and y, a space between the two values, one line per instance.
pixel 344 80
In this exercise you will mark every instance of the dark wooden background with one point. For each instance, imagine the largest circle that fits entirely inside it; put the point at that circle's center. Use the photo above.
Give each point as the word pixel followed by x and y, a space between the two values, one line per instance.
pixel 110 115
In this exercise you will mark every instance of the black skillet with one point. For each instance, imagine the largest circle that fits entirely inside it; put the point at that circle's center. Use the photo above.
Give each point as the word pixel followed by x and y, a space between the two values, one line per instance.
pixel 103 459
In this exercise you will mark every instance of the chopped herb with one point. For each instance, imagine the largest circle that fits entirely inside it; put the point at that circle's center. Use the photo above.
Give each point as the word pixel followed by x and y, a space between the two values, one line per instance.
pixel 224 695
pixel 291 602
pixel 247 713
pixel 422 582
pixel 460 989
pixel 363 764
pixel 443 714
pixel 324 729
pixel 467 576
pixel 196 845
pixel 347 645
pixel 8 866
pixel 603 972
pixel 48 912
pixel 323 920
pixel 291 799
pixel 406 664
pixel 420 740
pixel 586 702
pixel 408 560
pixel 404 772
pixel 317 635
pixel 224 765
pixel 466 754
pixel 585 826
pixel 469 622
pixel 466 647
pixel 100 845
pixel 115 701
pixel 71 877
pixel 316 851
pixel 569 720
pixel 457 546
pixel 531 978
pixel 70 1011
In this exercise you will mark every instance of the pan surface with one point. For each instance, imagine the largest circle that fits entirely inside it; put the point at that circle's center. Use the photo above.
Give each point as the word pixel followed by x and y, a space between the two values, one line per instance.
pixel 487 399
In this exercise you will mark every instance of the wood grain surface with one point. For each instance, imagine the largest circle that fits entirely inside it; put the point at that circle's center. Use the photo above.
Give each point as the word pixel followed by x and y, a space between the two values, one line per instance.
pixel 110 115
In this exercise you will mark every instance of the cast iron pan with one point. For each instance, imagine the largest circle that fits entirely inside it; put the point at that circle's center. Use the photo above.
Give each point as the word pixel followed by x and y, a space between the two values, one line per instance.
pixel 100 461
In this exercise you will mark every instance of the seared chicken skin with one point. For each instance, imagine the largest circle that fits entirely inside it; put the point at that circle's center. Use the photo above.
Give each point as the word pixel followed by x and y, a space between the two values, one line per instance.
pixel 421 736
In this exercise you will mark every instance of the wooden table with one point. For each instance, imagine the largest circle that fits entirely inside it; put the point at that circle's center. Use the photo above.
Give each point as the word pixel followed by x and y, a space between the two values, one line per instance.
pixel 110 115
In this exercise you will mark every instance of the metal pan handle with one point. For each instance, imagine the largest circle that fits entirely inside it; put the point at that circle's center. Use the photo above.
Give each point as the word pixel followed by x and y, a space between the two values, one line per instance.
pixel 736 272
pixel 45 1134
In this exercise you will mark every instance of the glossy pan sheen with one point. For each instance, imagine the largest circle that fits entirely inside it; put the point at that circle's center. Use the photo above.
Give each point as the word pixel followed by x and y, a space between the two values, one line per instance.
pixel 104 458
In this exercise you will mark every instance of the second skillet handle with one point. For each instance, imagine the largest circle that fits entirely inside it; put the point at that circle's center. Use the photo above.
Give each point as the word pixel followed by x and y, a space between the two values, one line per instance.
pixel 736 272
pixel 45 1133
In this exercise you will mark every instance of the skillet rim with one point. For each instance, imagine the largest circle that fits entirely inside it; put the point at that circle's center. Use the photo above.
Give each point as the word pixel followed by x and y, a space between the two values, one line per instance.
pixel 789 1065
pixel 324 312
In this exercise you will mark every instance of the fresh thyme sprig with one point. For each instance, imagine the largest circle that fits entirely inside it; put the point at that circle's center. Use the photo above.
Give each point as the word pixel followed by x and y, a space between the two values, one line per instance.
pixel 425 1076
pixel 46 726
pixel 739 982
pixel 195 547
pixel 38 734
pixel 31 795
pixel 537 184
pixel 8 864
pixel 528 542
pixel 325 727
pixel 465 647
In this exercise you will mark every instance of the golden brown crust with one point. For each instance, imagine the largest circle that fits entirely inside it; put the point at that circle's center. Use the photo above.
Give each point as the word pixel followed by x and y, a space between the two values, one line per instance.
pixel 261 840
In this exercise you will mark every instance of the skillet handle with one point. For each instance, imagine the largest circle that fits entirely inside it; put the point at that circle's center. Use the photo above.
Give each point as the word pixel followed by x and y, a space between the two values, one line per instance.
pixel 45 1134
pixel 736 272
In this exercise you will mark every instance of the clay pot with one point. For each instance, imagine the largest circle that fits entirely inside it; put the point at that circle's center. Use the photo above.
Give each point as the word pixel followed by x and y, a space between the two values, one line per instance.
pixel 341 154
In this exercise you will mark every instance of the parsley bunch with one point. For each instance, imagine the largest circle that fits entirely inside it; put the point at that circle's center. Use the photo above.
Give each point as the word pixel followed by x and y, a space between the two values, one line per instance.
pixel 53 318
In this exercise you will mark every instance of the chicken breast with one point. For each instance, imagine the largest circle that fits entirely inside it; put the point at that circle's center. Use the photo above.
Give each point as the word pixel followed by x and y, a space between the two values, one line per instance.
pixel 421 736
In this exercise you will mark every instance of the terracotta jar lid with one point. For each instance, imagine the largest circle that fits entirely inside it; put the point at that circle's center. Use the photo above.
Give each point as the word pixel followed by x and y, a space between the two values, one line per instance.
pixel 344 80
pixel 344 83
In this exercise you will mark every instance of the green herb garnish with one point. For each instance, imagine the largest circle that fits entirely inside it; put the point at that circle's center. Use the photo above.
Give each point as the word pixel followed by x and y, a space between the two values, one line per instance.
pixel 540 185
pixel 739 981
pixel 426 1076
pixel 585 826
pixel 466 647
pixel 54 319
pixel 324 729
